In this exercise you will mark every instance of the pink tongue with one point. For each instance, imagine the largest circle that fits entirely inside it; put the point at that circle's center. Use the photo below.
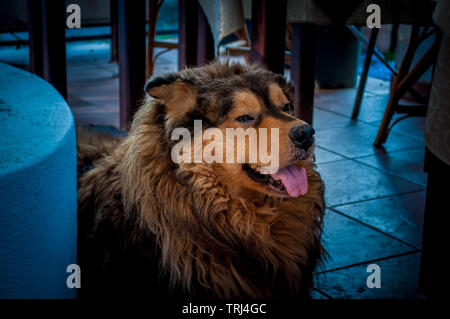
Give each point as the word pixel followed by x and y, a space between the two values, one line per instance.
pixel 294 180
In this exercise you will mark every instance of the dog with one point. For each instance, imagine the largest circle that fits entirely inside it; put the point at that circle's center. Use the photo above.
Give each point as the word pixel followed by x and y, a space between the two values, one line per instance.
pixel 149 226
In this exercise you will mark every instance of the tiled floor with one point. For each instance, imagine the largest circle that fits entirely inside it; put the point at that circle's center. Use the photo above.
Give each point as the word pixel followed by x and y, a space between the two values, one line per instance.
pixel 375 197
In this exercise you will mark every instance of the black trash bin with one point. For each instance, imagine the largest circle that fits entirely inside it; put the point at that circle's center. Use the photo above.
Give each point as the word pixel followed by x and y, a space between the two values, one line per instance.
pixel 338 52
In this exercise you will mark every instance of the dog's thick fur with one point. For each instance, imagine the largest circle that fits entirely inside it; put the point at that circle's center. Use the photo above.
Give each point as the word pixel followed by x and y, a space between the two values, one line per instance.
pixel 148 226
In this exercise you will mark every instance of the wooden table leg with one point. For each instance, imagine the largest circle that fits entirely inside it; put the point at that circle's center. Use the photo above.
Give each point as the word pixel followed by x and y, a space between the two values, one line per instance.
pixel 268 34
pixel 187 33
pixel 195 41
pixel 47 40
pixel 113 6
pixel 303 62
pixel 131 36
pixel 35 39
pixel 205 41
pixel 153 11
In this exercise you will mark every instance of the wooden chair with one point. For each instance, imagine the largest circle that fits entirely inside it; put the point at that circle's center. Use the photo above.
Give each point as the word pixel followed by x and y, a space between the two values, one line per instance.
pixel 405 80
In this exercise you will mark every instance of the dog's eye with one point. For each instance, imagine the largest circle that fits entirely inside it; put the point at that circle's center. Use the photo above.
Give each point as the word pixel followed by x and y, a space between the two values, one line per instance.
pixel 287 107
pixel 245 118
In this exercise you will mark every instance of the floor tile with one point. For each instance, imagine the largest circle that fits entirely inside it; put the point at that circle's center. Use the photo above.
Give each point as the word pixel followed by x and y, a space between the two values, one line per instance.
pixel 324 156
pixel 105 65
pixel 400 216
pixel 322 95
pixel 15 56
pixel 324 119
pixel 399 279
pixel 347 181
pixel 348 242
pixel 414 126
pixel 356 139
pixel 95 86
pixel 75 102
pixel 371 110
pixel 103 95
pixel 338 101
pixel 377 86
pixel 101 118
pixel 317 294
pixel 88 50
pixel 407 164
pixel 86 109
pixel 166 62
pixel 87 71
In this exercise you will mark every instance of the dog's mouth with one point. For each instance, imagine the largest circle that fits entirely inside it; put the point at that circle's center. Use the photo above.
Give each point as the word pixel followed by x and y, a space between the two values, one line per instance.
pixel 290 180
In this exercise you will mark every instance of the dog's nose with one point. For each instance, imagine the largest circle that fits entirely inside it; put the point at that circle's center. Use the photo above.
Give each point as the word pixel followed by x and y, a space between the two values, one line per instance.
pixel 302 136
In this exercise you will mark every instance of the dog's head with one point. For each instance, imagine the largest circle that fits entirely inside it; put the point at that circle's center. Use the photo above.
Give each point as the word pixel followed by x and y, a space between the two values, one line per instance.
pixel 232 102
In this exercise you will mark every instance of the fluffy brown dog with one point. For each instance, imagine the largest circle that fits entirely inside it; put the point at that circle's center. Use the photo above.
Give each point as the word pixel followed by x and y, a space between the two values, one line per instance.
pixel 149 226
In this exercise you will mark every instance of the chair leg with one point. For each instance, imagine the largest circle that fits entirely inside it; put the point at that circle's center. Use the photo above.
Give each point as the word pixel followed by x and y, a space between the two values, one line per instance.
pixel 114 46
pixel 364 73
pixel 399 90
pixel 393 100
pixel 153 11
pixel 131 36
pixel 401 87
pixel 387 117
pixel 419 69
pixel 409 55
pixel 48 43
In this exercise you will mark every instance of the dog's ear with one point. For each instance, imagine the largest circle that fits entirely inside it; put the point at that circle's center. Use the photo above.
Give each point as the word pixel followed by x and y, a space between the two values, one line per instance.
pixel 178 95
pixel 287 87
pixel 153 86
